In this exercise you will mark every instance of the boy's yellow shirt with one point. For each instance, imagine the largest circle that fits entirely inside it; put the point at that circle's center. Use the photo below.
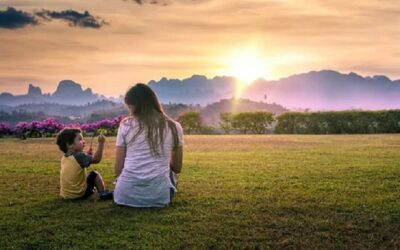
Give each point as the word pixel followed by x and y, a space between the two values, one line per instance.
pixel 72 178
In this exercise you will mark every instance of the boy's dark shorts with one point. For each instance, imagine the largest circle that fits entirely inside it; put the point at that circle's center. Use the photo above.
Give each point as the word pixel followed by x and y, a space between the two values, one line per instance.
pixel 91 181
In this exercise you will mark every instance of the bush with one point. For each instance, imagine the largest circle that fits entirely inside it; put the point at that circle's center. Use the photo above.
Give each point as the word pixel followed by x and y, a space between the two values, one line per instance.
pixel 50 127
pixel 343 122
pixel 246 122
pixel 5 129
pixel 191 122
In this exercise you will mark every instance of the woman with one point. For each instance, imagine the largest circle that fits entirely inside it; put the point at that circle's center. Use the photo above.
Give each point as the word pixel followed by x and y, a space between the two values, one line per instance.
pixel 149 152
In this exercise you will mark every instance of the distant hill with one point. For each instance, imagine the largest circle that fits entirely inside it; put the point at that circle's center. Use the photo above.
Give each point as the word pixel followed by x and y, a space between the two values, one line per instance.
pixel 55 109
pixel 12 118
pixel 103 109
pixel 330 90
pixel 315 90
pixel 68 92
pixel 211 113
pixel 194 90
pixel 172 110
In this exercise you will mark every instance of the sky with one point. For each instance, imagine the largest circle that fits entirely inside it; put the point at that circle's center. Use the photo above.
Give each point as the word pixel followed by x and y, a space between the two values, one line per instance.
pixel 117 43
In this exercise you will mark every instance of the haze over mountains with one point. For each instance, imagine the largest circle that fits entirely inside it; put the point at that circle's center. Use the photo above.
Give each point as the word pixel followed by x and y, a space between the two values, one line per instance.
pixel 68 92
pixel 322 90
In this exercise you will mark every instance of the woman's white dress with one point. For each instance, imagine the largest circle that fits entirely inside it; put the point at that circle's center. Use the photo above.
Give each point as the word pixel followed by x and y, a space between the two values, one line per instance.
pixel 145 179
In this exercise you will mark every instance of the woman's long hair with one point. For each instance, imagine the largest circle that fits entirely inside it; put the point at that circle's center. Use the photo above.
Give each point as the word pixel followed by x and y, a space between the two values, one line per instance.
pixel 145 107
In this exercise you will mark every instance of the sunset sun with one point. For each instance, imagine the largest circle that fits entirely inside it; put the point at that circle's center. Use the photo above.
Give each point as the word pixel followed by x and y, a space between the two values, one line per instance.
pixel 246 65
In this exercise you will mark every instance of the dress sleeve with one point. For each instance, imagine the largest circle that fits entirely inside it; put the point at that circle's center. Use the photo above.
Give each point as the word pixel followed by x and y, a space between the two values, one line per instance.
pixel 83 159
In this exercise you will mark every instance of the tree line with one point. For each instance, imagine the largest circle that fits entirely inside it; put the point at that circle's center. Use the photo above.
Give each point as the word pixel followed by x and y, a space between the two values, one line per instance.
pixel 261 122
pixel 342 122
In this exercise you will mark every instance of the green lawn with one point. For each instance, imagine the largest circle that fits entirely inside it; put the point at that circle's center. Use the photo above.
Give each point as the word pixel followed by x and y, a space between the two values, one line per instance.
pixel 253 192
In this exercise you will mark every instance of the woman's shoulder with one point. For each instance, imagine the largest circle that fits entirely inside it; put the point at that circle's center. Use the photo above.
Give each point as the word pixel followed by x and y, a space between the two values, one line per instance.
pixel 128 121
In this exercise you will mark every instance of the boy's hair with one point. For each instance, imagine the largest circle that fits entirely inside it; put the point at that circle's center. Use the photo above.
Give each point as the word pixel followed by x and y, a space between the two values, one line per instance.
pixel 65 137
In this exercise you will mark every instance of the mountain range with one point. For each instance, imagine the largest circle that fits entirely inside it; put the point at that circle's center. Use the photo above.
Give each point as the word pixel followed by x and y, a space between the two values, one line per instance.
pixel 67 92
pixel 315 90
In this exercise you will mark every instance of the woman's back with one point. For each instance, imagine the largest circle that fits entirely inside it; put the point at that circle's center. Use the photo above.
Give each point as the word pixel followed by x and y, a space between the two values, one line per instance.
pixel 145 178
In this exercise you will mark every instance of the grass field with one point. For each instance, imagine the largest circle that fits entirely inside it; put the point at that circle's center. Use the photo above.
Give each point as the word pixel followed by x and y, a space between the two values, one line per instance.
pixel 253 192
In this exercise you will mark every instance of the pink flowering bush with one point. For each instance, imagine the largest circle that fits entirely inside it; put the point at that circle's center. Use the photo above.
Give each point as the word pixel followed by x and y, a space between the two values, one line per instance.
pixel 5 129
pixel 50 127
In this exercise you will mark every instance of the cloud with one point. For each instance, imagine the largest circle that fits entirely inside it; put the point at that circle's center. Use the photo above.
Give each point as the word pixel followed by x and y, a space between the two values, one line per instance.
pixel 14 19
pixel 155 2
pixel 164 2
pixel 74 18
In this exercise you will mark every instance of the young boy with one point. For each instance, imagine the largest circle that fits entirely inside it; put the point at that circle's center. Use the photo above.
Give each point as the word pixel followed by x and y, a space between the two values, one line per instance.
pixel 75 183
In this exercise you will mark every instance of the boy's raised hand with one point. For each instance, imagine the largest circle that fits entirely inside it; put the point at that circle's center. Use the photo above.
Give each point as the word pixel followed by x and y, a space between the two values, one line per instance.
pixel 99 152
pixel 101 139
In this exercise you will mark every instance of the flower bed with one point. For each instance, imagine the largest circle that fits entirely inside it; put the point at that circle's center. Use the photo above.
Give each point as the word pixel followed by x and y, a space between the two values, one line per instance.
pixel 50 127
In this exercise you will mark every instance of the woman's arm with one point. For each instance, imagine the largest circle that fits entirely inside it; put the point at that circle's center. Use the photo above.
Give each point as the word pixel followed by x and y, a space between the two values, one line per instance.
pixel 120 154
pixel 176 160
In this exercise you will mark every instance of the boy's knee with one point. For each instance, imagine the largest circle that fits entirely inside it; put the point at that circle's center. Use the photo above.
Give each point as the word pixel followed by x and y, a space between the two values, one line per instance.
pixel 98 176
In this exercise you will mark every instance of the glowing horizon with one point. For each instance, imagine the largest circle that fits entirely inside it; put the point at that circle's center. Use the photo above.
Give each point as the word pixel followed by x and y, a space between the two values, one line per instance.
pixel 139 43
pixel 245 64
